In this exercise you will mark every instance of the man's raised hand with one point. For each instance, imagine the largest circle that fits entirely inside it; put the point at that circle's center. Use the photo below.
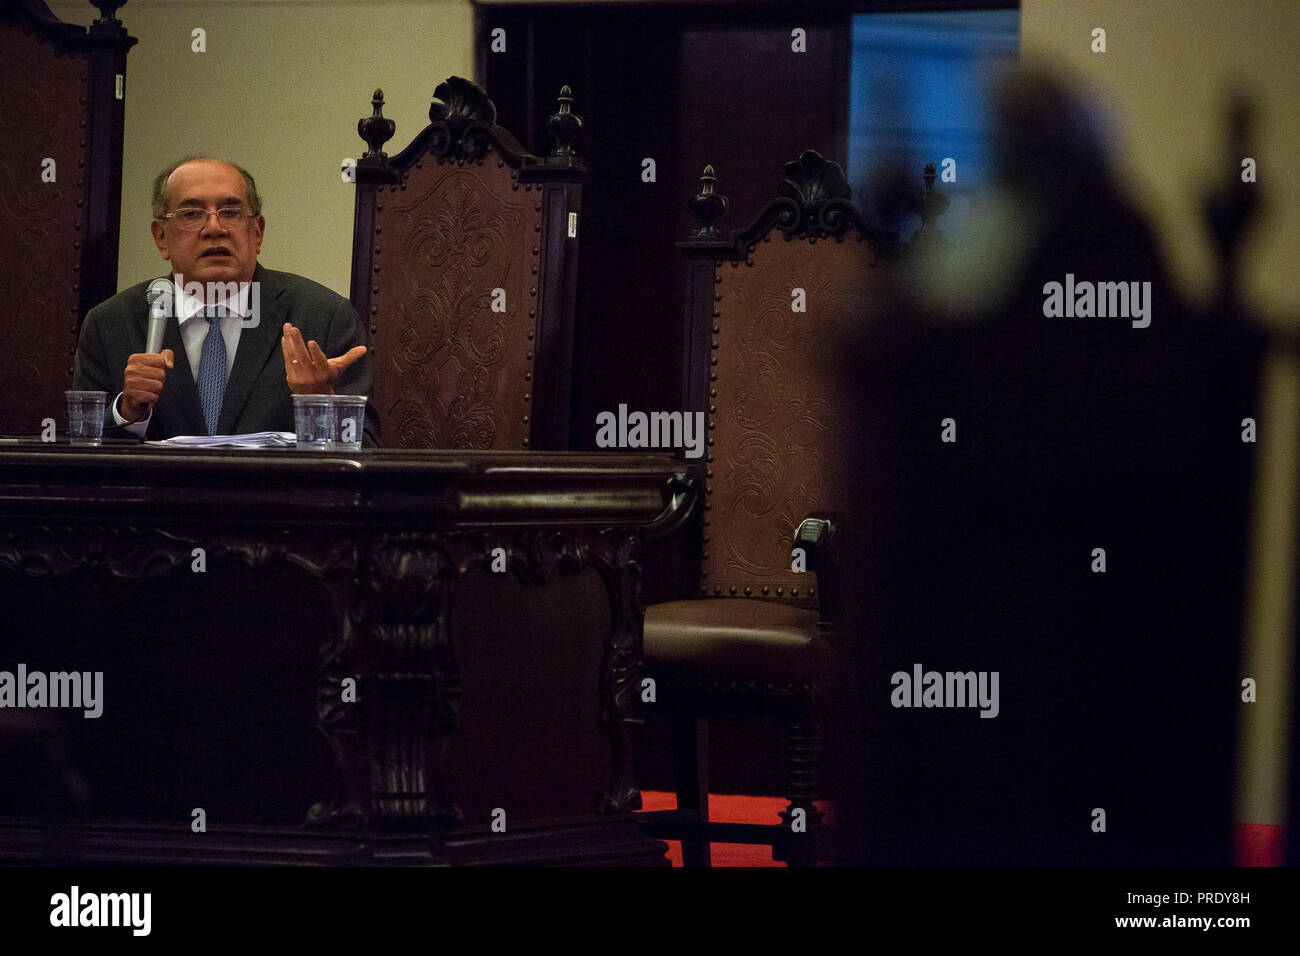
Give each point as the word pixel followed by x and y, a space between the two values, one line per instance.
pixel 306 368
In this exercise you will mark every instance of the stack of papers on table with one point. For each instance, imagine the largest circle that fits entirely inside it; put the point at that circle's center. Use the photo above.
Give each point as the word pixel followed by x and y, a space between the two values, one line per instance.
pixel 251 440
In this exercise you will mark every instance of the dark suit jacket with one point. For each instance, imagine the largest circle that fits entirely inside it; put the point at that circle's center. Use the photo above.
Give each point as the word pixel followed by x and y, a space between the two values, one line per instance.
pixel 257 397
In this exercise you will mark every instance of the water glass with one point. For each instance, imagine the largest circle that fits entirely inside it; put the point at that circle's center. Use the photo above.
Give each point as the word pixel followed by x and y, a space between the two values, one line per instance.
pixel 86 417
pixel 313 417
pixel 349 421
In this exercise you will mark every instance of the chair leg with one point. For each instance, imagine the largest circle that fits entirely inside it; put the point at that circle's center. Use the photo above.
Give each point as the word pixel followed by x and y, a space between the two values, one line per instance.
pixel 691 776
pixel 801 746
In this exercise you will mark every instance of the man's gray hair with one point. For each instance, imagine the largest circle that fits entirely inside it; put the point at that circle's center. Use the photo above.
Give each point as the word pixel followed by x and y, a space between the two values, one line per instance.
pixel 161 199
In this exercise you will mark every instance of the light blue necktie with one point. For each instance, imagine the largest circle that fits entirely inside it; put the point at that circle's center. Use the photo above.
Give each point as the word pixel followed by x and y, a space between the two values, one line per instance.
pixel 212 368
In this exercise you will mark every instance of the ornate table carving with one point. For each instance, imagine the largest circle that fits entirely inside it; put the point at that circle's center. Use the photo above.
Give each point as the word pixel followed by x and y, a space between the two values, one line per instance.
pixel 391 536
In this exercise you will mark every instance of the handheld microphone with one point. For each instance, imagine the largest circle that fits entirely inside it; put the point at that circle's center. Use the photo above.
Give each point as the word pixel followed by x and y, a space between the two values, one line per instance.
pixel 159 297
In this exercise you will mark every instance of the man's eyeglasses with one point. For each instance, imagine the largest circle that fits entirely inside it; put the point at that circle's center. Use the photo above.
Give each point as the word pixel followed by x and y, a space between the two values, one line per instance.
pixel 192 219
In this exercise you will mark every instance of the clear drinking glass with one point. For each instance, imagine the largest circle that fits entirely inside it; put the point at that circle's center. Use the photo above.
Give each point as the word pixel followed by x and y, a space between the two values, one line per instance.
pixel 349 421
pixel 313 417
pixel 86 417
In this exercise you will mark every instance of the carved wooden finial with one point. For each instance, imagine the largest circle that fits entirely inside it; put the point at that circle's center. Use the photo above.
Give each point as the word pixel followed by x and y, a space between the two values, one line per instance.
pixel 706 206
pixel 565 126
pixel 459 102
pixel 463 119
pixel 820 197
pixel 1232 202
pixel 107 11
pixel 929 205
pixel 812 180
pixel 376 129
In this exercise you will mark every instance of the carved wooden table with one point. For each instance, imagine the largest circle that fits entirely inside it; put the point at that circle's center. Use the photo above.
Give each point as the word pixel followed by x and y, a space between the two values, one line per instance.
pixel 370 657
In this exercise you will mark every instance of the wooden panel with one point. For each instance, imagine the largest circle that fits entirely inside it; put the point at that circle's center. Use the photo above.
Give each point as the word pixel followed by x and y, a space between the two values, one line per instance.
pixel 42 224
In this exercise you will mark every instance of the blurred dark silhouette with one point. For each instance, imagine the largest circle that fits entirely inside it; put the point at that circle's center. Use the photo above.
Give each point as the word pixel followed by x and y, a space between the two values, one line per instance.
pixel 1118 690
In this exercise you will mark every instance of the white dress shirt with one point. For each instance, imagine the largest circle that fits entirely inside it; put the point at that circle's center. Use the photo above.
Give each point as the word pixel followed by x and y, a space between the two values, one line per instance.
pixel 194 329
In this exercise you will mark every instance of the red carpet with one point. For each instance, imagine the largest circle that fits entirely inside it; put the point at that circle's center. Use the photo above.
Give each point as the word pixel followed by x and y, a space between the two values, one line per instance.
pixel 1257 844
pixel 727 808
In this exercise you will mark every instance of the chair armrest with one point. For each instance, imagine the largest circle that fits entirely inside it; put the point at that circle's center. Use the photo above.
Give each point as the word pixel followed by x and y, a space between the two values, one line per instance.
pixel 816 535
pixel 683 488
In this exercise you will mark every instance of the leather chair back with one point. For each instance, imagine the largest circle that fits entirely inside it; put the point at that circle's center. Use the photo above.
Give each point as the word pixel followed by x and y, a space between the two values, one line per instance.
pixel 61 113
pixel 765 309
pixel 465 268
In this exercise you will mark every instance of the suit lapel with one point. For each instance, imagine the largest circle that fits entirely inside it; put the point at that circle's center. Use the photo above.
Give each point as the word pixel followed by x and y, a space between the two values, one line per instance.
pixel 257 345
pixel 180 380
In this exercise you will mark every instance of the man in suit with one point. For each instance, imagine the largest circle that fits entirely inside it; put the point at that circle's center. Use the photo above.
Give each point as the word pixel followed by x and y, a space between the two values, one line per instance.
pixel 238 327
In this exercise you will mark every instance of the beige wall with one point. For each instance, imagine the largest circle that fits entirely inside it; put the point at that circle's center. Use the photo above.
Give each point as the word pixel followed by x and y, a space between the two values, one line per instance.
pixel 279 91
pixel 1162 80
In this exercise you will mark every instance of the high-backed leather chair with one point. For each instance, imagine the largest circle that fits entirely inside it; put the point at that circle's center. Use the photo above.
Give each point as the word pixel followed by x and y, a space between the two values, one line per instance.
pixel 61 111
pixel 766 306
pixel 464 266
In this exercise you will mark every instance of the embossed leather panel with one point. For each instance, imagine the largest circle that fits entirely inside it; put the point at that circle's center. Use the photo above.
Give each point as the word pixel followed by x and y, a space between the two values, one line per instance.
pixel 449 371
pixel 41 224
pixel 777 423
